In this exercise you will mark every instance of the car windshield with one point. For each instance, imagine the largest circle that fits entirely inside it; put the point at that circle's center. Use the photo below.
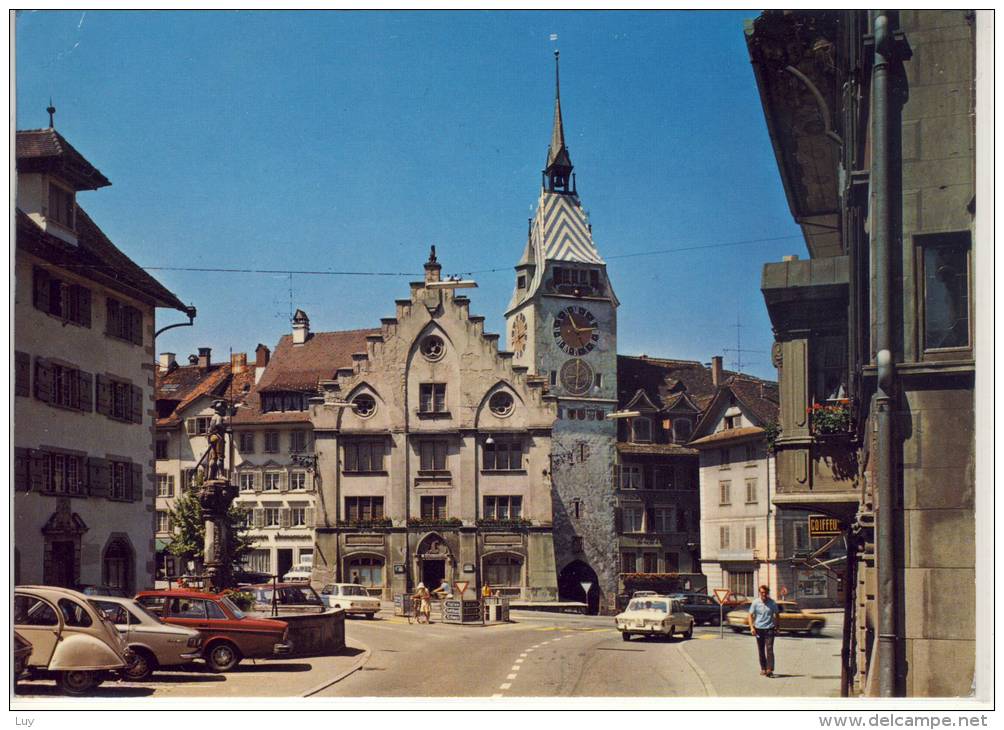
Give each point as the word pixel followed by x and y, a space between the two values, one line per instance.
pixel 329 590
pixel 647 605
pixel 232 607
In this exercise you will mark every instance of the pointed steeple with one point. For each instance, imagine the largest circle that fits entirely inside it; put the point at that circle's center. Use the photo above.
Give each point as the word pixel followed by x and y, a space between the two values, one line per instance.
pixel 559 164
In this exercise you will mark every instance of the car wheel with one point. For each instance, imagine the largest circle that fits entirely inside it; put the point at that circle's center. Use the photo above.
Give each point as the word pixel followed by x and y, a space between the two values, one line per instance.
pixel 816 630
pixel 222 656
pixel 371 615
pixel 669 635
pixel 142 666
pixel 626 636
pixel 78 683
pixel 689 633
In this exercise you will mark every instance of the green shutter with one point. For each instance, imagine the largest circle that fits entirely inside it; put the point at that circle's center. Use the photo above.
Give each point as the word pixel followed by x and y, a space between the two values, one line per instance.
pixel 103 395
pixel 85 388
pixel 83 295
pixel 136 404
pixel 135 493
pixel 99 477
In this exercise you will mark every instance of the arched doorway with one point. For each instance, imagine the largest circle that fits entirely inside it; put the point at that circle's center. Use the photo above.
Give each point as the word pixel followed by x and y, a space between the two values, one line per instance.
pixel 434 560
pixel 570 582
pixel 117 565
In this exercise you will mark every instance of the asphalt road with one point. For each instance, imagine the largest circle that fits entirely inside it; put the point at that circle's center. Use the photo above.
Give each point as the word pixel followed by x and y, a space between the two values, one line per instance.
pixel 551 655
pixel 537 655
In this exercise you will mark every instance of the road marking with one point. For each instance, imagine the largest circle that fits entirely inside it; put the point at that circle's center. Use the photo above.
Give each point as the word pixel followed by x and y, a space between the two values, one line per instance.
pixel 506 685
pixel 494 696
pixel 510 676
pixel 520 661
pixel 515 668
pixel 522 655
pixel 706 636
pixel 709 688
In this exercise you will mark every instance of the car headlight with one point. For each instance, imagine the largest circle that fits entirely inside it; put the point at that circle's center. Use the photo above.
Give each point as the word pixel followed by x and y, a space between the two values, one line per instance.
pixel 194 641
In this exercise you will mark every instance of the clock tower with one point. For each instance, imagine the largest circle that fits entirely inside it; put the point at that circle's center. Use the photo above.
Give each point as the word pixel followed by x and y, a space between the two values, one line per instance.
pixel 562 325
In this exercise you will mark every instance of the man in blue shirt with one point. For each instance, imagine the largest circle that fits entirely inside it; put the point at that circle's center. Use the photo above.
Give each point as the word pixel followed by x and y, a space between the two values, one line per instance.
pixel 763 626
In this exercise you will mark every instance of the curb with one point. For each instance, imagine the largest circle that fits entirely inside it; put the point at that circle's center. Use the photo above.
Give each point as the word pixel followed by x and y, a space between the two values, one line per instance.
pixel 338 678
pixel 709 688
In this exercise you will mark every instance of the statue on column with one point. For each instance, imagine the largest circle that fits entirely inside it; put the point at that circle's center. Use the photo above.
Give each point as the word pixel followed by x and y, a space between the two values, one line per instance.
pixel 215 496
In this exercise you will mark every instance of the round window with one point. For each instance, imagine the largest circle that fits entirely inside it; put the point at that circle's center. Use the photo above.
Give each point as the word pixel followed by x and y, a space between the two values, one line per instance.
pixel 501 404
pixel 433 347
pixel 365 405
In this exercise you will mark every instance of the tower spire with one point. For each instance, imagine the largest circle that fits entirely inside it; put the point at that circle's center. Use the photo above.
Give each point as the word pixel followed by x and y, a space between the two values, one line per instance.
pixel 559 163
pixel 52 113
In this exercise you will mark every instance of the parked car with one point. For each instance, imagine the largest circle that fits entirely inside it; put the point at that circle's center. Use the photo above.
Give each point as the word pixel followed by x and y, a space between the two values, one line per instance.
pixel 654 616
pixel 703 608
pixel 228 636
pixel 20 652
pixel 298 573
pixel 154 643
pixel 71 640
pixel 351 598
pixel 244 578
pixel 290 597
pixel 790 619
pixel 103 591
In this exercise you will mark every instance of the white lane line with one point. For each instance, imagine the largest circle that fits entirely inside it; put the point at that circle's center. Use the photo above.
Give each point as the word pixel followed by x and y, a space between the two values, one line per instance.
pixel 515 668
pixel 494 696
pixel 520 661
pixel 523 654
pixel 507 685
pixel 510 676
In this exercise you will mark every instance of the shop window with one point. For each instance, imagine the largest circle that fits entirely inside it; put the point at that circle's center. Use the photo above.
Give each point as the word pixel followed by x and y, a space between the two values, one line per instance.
pixel 369 571
pixel 503 571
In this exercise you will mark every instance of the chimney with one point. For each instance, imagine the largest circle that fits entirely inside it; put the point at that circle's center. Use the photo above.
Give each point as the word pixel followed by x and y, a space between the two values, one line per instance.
pixel 301 327
pixel 716 370
pixel 205 359
pixel 432 267
pixel 238 362
pixel 193 359
pixel 167 361
pixel 261 355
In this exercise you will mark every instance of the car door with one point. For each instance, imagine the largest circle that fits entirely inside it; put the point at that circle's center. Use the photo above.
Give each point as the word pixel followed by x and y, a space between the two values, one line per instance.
pixel 187 612
pixel 40 623
pixel 790 618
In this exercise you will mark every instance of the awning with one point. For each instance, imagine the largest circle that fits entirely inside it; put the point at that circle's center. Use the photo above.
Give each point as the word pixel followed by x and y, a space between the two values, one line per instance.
pixel 161 544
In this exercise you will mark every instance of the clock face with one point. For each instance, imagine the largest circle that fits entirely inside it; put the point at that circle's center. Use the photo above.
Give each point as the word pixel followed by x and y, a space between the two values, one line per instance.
pixel 575 330
pixel 519 335
pixel 576 376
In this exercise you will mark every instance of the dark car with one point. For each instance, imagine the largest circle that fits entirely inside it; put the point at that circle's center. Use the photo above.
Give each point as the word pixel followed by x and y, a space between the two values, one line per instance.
pixel 703 608
pixel 250 578
pixel 286 597
pixel 228 635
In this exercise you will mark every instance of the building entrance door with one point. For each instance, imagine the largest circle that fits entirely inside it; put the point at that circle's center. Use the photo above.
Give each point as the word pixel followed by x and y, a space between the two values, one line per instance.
pixel 433 572
pixel 283 561
pixel 62 564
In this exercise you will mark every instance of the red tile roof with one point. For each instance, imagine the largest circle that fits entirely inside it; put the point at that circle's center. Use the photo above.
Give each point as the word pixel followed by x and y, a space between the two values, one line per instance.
pixel 179 388
pixel 300 367
pixel 46 150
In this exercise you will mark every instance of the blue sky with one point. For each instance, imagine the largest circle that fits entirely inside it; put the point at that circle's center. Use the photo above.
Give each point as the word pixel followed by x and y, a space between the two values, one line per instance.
pixel 351 141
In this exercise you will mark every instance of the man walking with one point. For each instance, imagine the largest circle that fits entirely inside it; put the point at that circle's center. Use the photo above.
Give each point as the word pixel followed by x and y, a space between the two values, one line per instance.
pixel 763 626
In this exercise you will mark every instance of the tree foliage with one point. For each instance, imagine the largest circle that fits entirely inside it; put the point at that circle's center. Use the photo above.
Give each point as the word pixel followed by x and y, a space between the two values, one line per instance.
pixel 189 538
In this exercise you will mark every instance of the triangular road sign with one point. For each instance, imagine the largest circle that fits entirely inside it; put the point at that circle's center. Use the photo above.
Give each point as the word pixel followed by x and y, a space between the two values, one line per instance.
pixel 722 594
pixel 586 585
pixel 461 586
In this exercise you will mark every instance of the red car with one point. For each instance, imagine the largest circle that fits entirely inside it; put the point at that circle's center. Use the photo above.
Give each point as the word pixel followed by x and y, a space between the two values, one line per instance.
pixel 227 634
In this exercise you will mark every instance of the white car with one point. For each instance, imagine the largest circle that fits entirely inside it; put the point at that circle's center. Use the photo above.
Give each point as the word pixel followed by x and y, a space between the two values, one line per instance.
pixel 351 598
pixel 155 643
pixel 654 616
pixel 299 573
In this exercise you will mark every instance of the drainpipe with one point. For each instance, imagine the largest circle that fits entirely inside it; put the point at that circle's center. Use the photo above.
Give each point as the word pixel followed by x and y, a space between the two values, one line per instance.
pixel 890 48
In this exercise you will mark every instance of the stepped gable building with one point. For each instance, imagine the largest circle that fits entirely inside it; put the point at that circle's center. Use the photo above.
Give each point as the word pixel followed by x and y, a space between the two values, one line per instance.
pixel 871 116
pixel 84 323
pixel 276 461
pixel 562 327
pixel 433 457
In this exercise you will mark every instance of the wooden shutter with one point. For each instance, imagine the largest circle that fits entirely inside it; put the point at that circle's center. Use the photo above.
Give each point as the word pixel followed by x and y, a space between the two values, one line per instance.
pixel 36 470
pixel 43 380
pixel 308 481
pixel 308 517
pixel 135 325
pixel 22 460
pixel 22 373
pixel 284 517
pixel 85 387
pixel 136 403
pixel 113 315
pixel 83 295
pixel 135 493
pixel 259 517
pixel 99 477
pixel 283 482
pixel 102 395
pixel 41 289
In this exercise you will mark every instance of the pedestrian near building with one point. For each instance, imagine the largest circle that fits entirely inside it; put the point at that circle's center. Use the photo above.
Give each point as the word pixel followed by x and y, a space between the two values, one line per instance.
pixel 421 597
pixel 486 591
pixel 763 625
pixel 355 578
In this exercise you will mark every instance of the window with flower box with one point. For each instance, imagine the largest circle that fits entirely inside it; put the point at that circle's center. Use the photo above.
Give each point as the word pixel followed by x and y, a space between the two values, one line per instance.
pixel 503 507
